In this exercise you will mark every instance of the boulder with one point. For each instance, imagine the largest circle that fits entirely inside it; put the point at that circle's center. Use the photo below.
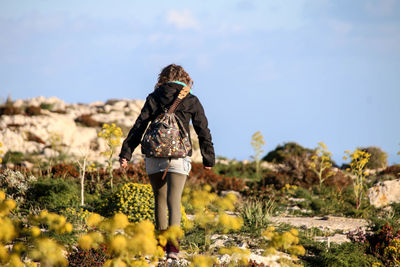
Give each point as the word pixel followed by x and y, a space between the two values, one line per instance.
pixel 384 193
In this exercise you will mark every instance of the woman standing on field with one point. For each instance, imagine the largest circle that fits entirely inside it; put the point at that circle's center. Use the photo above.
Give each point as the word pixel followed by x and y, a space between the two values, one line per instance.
pixel 168 190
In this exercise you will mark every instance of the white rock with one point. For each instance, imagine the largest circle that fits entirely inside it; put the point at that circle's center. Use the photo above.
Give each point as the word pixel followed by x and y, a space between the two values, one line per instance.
pixel 96 104
pixel 337 238
pixel 75 140
pixel 271 261
pixel 120 105
pixel 50 153
pixel 18 103
pixel 384 193
pixel 107 108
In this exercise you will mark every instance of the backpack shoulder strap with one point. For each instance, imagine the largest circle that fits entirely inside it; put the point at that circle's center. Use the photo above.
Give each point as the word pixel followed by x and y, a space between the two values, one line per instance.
pixel 182 94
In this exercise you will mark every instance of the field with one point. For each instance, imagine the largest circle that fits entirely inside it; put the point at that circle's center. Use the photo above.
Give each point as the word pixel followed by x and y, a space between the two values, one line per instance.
pixel 234 215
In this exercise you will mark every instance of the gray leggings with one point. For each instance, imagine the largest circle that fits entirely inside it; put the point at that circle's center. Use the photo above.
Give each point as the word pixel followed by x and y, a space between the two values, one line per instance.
pixel 167 194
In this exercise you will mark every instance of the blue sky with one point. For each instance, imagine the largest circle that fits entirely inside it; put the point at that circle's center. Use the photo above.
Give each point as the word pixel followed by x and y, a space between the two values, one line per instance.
pixel 297 70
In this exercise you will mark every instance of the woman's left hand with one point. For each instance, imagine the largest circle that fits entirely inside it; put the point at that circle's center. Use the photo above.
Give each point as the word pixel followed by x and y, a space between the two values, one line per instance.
pixel 123 162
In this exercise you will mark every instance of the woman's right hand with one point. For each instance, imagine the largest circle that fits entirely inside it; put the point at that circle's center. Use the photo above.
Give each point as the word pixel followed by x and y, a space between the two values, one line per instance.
pixel 123 163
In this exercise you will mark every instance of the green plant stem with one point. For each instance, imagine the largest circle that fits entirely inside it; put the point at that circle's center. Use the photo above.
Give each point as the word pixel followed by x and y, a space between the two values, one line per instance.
pixel 110 171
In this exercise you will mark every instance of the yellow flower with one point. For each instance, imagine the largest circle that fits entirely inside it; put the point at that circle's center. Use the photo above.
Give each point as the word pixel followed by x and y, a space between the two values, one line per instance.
pixel 270 228
pixel 173 234
pixel 162 240
pixel 67 228
pixel 93 220
pixel 207 188
pixel 227 222
pixel 7 230
pixel 118 244
pixel 49 253
pixel 270 251
pixel 6 207
pixel 3 254
pixel 15 261
pixel 297 250
pixel 115 263
pixel 294 232
pixel 202 261
pixel 139 263
pixel 85 242
pixel 120 221
pixel 35 231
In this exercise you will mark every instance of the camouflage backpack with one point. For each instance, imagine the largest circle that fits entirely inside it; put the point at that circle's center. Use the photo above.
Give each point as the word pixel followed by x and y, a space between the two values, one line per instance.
pixel 166 136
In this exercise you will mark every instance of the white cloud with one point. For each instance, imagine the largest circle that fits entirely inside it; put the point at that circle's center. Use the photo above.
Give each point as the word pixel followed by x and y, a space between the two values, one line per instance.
pixel 182 19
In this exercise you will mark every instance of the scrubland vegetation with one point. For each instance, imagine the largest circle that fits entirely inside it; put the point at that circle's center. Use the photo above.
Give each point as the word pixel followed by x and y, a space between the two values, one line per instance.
pixel 67 211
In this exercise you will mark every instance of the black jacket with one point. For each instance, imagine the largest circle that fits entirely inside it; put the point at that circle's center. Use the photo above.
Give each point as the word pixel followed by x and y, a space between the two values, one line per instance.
pixel 189 108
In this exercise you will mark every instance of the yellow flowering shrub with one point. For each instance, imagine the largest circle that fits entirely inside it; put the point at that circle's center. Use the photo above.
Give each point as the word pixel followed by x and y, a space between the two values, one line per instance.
pixel 77 216
pixel 359 160
pixel 320 162
pixel 55 222
pixel 211 216
pixel 240 256
pixel 257 142
pixel 134 200
pixel 287 242
pixel 289 189
pixel 203 261
pixel 128 242
pixel 35 246
pixel 210 210
pixel 112 134
pixel 392 252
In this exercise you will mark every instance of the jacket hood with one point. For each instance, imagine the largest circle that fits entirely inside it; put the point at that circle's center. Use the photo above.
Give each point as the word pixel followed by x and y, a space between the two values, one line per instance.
pixel 167 93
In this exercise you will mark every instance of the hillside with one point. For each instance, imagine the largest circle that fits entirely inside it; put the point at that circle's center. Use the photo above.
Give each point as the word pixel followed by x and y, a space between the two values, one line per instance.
pixel 49 126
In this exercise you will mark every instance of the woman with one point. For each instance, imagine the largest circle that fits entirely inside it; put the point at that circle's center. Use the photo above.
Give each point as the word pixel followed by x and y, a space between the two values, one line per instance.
pixel 168 191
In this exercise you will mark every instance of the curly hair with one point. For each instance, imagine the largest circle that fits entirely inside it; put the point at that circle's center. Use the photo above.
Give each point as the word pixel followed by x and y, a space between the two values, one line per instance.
pixel 173 72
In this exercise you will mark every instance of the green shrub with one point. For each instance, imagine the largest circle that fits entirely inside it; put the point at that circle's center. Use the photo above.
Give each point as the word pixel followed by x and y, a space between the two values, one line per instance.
pixel 46 106
pixel 134 200
pixel 378 157
pixel 282 153
pixel 256 213
pixel 347 255
pixel 236 169
pixel 14 157
pixel 54 194
pixel 317 204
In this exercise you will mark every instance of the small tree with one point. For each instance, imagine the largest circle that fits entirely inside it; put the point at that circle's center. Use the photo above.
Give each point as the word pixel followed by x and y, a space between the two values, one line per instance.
pixel 257 142
pixel 82 172
pixel 359 160
pixel 320 162
pixel 112 135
